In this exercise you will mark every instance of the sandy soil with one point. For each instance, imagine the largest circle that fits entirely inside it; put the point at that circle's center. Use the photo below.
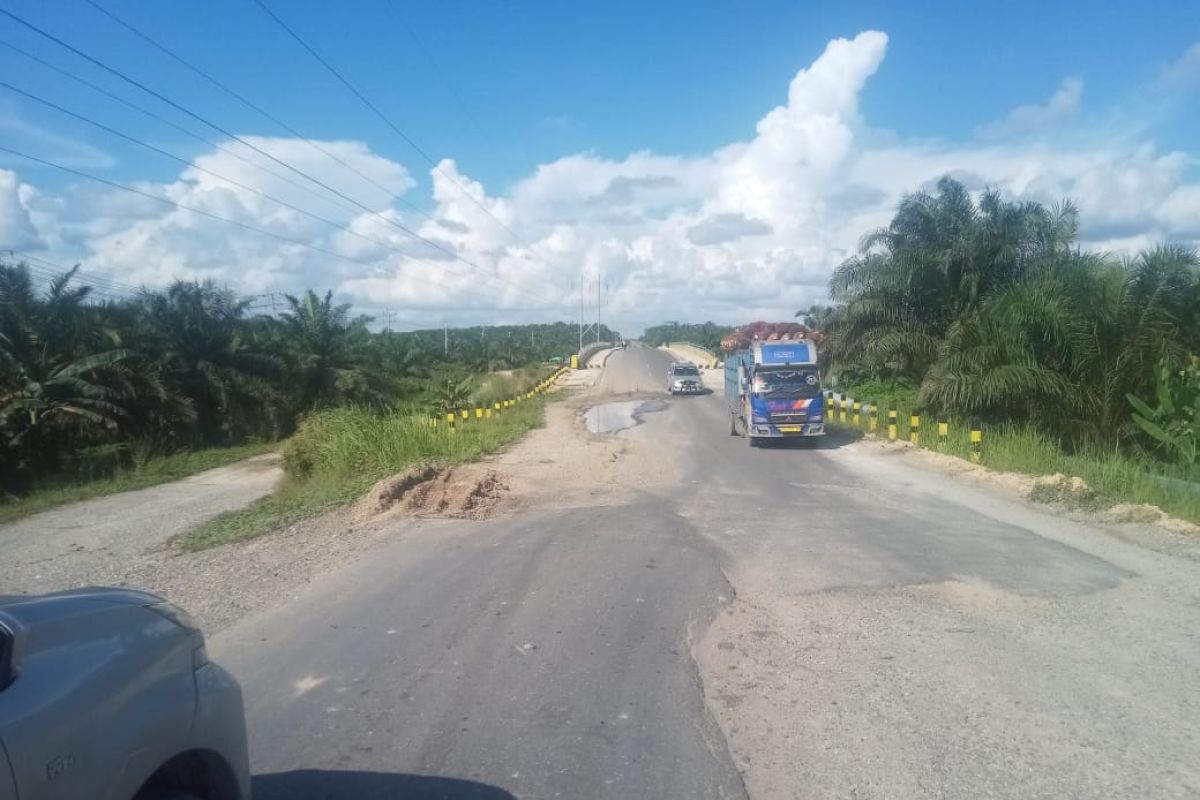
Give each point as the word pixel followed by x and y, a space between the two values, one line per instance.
pixel 560 465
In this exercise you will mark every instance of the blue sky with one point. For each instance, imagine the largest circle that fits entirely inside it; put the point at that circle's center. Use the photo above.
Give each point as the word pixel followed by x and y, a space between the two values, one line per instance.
pixel 505 89
pixel 505 86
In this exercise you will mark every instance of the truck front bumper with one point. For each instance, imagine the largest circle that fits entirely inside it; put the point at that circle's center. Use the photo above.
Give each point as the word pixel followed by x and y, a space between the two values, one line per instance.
pixel 761 431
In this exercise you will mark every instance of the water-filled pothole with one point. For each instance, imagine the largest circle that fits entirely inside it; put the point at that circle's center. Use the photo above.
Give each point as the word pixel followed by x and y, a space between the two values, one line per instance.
pixel 619 416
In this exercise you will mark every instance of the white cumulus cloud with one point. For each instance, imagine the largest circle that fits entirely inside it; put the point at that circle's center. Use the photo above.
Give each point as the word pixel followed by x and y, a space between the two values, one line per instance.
pixel 1059 107
pixel 16 226
pixel 750 230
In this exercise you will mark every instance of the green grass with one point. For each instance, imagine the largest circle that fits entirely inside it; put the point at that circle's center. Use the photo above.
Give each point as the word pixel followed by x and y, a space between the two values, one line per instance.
pixel 1112 476
pixel 337 455
pixel 499 387
pixel 155 471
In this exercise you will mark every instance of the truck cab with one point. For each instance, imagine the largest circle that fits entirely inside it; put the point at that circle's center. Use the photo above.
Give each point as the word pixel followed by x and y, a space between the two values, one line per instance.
pixel 773 389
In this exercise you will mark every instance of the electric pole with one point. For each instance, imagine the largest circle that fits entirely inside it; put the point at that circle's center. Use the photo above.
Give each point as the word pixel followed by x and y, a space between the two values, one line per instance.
pixel 598 288
pixel 446 337
pixel 581 312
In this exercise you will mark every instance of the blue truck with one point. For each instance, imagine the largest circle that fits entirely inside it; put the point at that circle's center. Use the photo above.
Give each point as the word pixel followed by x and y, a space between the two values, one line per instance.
pixel 773 389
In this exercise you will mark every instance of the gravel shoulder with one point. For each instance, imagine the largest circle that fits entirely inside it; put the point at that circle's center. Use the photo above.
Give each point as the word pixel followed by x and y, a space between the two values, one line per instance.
pixel 111 540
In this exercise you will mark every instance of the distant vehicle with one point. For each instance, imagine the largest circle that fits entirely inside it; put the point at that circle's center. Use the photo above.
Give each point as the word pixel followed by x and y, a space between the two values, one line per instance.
pixel 683 377
pixel 773 389
pixel 109 693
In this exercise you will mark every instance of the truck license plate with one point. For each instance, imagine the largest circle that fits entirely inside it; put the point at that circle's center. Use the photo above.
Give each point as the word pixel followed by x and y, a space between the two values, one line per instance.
pixel 791 428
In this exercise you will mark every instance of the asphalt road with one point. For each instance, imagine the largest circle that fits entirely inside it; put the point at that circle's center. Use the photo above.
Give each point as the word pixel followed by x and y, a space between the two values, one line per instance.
pixel 894 635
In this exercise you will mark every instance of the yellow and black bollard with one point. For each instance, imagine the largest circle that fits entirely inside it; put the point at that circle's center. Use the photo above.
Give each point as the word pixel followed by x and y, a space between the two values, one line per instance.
pixel 497 407
pixel 873 418
pixel 914 429
pixel 450 415
pixel 893 427
pixel 943 433
pixel 845 407
pixel 976 442
pixel 478 412
pixel 857 413
pixel 466 414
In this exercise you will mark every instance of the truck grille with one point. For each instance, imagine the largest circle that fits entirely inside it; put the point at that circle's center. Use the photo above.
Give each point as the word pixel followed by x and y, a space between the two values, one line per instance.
pixel 789 418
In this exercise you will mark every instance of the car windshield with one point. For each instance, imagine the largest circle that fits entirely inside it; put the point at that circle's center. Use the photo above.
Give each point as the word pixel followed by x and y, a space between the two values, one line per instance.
pixel 787 381
pixel 690 372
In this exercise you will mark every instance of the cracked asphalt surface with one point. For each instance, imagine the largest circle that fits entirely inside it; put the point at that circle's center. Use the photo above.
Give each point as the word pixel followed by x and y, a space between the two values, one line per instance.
pixel 779 623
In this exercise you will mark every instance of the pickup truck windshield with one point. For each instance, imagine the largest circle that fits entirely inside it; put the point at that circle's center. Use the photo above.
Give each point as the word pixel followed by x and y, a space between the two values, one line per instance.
pixel 790 382
pixel 689 372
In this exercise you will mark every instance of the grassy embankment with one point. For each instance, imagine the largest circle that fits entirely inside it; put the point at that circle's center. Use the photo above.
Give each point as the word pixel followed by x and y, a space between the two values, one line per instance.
pixel 337 455
pixel 1112 476
pixel 154 471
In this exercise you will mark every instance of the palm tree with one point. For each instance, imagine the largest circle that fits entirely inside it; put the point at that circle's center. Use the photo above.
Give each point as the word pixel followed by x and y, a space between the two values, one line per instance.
pixel 326 352
pixel 1068 343
pixel 200 348
pixel 938 261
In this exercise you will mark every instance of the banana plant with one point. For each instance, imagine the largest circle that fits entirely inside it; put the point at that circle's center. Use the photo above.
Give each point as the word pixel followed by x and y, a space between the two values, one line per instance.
pixel 1175 423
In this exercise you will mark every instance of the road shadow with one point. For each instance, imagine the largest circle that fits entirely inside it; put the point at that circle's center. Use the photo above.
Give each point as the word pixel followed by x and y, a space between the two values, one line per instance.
pixel 326 784
pixel 832 440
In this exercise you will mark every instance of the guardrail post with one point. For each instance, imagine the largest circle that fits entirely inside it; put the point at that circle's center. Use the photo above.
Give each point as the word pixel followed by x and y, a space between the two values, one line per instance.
pixel 450 415
pixel 478 413
pixel 496 406
pixel 466 414
pixel 943 433
pixel 845 406
pixel 914 429
pixel 857 413
pixel 873 418
pixel 893 428
pixel 976 442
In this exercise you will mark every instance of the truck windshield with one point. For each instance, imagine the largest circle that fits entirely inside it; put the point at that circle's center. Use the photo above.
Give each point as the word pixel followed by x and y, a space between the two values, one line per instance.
pixel 690 372
pixel 787 381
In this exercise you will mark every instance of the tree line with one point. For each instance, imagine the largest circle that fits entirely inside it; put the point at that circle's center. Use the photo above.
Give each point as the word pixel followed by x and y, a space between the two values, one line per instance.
pixel 705 334
pixel 89 386
pixel 989 308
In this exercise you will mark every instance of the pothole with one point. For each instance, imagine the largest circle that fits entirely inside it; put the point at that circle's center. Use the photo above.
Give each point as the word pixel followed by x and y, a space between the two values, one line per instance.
pixel 619 416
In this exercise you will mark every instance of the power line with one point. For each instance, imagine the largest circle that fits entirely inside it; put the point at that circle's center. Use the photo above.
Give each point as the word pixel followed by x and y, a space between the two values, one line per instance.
pixel 45 264
pixel 158 117
pixel 217 175
pixel 250 104
pixel 462 106
pixel 386 120
pixel 183 207
pixel 234 137
pixel 54 272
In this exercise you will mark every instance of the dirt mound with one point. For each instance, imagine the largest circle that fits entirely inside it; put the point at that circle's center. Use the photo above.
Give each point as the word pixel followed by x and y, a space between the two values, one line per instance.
pixel 384 495
pixel 429 491
pixel 1072 492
